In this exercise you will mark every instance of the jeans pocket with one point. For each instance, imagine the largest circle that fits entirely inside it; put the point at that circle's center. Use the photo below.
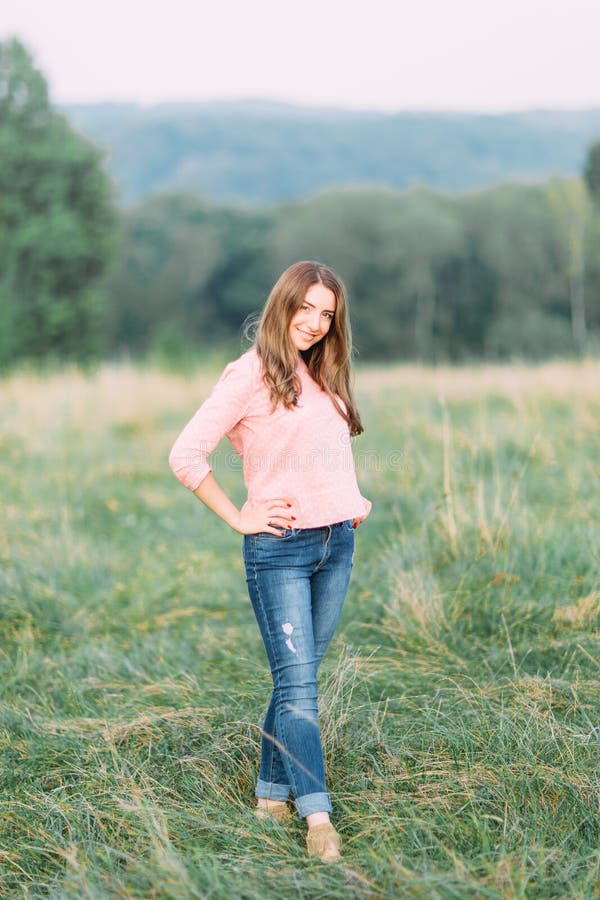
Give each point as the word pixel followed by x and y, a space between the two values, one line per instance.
pixel 349 524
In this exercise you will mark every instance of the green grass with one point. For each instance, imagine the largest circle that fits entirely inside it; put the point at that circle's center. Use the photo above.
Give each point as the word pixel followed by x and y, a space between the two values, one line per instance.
pixel 460 698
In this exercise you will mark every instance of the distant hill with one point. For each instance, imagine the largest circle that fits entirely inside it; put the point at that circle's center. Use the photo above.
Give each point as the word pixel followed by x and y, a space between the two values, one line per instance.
pixel 260 152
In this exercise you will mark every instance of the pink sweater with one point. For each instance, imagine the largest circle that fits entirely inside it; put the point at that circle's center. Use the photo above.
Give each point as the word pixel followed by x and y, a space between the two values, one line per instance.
pixel 303 454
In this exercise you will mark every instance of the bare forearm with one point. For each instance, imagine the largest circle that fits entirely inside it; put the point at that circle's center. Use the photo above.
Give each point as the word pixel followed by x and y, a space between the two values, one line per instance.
pixel 213 496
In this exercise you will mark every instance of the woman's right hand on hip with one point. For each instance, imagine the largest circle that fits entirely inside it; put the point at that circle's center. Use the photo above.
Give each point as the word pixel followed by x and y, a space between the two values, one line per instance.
pixel 272 517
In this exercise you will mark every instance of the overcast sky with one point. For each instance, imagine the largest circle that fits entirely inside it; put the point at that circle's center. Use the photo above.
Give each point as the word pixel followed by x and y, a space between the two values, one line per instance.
pixel 487 55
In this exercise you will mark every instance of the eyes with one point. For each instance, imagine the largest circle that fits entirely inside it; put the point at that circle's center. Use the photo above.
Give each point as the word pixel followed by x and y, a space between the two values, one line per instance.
pixel 327 314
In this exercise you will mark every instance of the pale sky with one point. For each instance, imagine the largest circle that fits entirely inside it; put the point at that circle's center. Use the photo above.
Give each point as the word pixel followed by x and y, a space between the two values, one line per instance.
pixel 374 54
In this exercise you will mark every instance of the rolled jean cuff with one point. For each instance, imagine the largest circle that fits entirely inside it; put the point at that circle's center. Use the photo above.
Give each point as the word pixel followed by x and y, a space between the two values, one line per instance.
pixel 312 803
pixel 268 791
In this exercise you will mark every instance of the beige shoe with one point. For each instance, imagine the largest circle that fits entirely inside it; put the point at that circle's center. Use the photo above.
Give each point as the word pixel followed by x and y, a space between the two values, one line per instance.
pixel 275 809
pixel 324 841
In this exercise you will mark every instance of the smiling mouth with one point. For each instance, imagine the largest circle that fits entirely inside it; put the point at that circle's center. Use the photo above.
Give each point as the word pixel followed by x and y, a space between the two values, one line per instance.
pixel 306 334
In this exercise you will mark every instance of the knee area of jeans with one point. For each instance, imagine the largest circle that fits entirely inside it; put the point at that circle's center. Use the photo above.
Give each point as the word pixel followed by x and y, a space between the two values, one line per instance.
pixel 300 667
pixel 306 712
pixel 296 699
pixel 299 695
pixel 307 707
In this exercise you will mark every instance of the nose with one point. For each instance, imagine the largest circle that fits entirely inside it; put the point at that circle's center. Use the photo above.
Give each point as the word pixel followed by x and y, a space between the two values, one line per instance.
pixel 314 321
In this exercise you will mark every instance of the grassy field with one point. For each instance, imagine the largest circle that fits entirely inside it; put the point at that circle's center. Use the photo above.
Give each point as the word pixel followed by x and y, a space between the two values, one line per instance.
pixel 460 699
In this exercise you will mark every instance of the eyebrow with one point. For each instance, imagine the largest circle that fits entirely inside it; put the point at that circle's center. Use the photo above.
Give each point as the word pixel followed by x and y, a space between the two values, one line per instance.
pixel 332 311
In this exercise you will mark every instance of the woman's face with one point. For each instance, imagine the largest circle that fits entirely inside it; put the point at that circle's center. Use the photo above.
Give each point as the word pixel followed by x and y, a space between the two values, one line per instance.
pixel 311 322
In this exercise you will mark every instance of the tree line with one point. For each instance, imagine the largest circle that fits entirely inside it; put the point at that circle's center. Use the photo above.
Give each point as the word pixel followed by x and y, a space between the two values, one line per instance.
pixel 513 271
pixel 509 271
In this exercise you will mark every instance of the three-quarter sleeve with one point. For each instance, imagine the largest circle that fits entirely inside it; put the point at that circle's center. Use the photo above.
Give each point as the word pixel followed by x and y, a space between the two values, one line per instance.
pixel 221 411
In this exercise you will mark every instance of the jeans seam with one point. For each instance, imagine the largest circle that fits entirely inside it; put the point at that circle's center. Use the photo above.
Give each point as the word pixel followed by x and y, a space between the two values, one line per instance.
pixel 282 733
pixel 306 771
pixel 326 547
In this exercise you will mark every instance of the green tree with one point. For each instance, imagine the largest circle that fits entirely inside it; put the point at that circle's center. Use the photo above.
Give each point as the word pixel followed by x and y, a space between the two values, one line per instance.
pixel 570 204
pixel 188 273
pixel 591 172
pixel 591 176
pixel 57 222
pixel 394 251
pixel 517 248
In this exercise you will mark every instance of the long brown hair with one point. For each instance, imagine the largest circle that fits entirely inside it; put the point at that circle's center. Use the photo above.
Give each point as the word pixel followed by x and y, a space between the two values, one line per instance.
pixel 328 360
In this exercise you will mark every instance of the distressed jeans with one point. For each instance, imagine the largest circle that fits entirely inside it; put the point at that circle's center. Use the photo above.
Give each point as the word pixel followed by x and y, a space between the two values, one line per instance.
pixel 297 585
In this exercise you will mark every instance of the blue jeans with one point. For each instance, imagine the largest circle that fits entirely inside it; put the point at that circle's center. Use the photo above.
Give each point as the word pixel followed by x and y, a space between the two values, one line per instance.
pixel 297 585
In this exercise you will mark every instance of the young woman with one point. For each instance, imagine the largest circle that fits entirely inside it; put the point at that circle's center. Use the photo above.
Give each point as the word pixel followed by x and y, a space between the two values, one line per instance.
pixel 287 407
